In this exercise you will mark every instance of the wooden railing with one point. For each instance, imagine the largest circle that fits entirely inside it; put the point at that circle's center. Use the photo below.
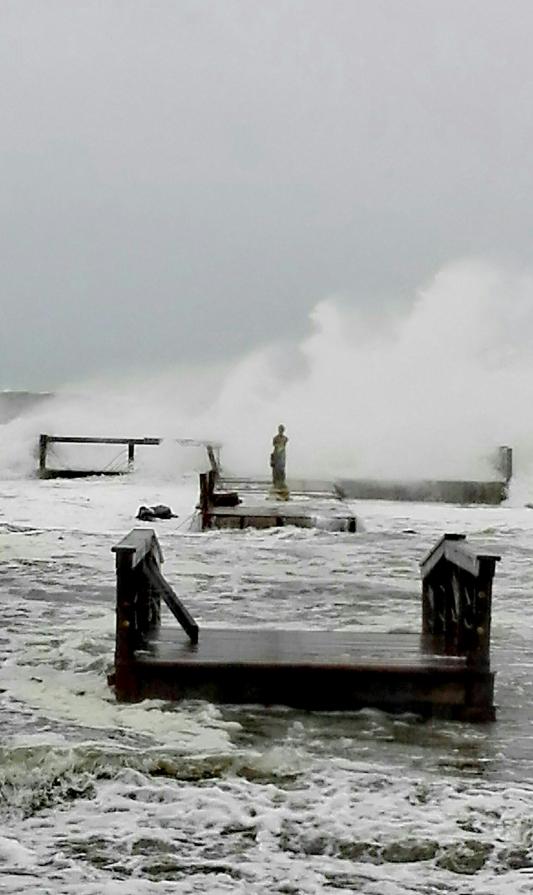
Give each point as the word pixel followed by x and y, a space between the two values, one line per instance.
pixel 46 440
pixel 212 448
pixel 140 587
pixel 456 599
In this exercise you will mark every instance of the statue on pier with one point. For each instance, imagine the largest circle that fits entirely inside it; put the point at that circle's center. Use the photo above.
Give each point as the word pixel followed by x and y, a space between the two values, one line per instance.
pixel 277 462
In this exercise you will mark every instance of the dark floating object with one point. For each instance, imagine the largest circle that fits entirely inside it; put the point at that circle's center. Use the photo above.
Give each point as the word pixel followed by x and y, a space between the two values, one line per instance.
pixel 442 670
pixel 160 511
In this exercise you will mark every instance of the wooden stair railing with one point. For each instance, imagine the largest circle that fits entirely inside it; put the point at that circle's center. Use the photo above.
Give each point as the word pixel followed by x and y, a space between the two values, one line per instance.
pixel 456 599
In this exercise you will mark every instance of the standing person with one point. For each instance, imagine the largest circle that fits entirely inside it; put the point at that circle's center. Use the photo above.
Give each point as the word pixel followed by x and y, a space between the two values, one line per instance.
pixel 277 463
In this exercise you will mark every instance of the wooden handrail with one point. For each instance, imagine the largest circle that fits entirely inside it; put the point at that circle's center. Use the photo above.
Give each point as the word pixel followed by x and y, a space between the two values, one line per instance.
pixel 140 586
pixel 137 544
pixel 456 598
pixel 454 548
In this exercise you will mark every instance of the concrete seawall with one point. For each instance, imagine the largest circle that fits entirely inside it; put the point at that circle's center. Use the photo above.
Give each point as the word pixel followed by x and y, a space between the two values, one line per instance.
pixel 491 493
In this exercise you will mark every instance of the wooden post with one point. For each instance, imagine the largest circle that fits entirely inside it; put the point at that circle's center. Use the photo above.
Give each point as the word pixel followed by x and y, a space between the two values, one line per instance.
pixel 482 609
pixel 43 446
pixel 131 454
pixel 137 609
pixel 126 634
pixel 204 500
pixel 148 603
pixel 211 484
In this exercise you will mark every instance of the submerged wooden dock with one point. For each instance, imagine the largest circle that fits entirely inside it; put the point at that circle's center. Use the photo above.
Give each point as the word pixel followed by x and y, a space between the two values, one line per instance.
pixel 251 506
pixel 443 669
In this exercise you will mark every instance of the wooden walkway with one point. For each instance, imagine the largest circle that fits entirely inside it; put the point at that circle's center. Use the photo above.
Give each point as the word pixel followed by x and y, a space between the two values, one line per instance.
pixel 444 669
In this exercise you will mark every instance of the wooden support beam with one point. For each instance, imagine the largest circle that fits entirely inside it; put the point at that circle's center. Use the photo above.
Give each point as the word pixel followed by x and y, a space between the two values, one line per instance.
pixel 456 598
pixel 72 439
pixel 179 611
pixel 43 446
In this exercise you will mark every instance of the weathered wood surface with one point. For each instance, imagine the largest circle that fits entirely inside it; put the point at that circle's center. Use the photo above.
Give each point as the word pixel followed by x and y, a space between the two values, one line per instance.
pixel 267 646
pixel 74 439
pixel 137 544
pixel 444 669
pixel 320 670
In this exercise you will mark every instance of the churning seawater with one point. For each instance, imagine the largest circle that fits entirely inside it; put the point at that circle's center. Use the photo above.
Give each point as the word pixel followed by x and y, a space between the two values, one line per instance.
pixel 97 797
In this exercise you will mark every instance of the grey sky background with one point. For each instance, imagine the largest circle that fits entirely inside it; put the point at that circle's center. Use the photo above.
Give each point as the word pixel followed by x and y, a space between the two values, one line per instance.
pixel 184 180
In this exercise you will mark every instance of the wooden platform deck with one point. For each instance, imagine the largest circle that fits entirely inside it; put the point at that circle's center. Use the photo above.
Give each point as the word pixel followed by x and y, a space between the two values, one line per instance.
pixel 274 514
pixel 255 508
pixel 444 669
pixel 320 670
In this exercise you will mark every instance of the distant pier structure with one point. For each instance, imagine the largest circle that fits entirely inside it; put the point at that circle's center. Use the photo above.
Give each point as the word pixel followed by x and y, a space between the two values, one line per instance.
pixel 126 454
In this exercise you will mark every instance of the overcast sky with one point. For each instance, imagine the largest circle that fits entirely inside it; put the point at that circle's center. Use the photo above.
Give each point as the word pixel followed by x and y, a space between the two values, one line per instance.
pixel 186 179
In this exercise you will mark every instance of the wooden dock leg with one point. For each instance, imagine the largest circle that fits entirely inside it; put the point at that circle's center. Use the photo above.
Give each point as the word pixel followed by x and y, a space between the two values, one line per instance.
pixel 126 686
pixel 205 502
pixel 131 454
pixel 43 447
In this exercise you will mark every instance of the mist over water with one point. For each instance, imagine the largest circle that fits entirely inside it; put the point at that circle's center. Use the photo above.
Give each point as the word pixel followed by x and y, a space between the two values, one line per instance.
pixel 428 393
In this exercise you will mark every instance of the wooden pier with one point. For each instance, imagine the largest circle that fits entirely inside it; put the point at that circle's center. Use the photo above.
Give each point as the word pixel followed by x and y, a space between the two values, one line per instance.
pixel 442 669
pixel 126 444
pixel 252 507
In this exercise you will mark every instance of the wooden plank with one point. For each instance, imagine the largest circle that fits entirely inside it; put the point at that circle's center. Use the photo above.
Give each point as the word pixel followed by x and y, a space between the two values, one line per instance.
pixel 72 439
pixel 79 473
pixel 291 647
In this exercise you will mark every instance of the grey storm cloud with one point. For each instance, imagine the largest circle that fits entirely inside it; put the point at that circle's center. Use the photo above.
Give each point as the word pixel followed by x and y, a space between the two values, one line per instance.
pixel 186 180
